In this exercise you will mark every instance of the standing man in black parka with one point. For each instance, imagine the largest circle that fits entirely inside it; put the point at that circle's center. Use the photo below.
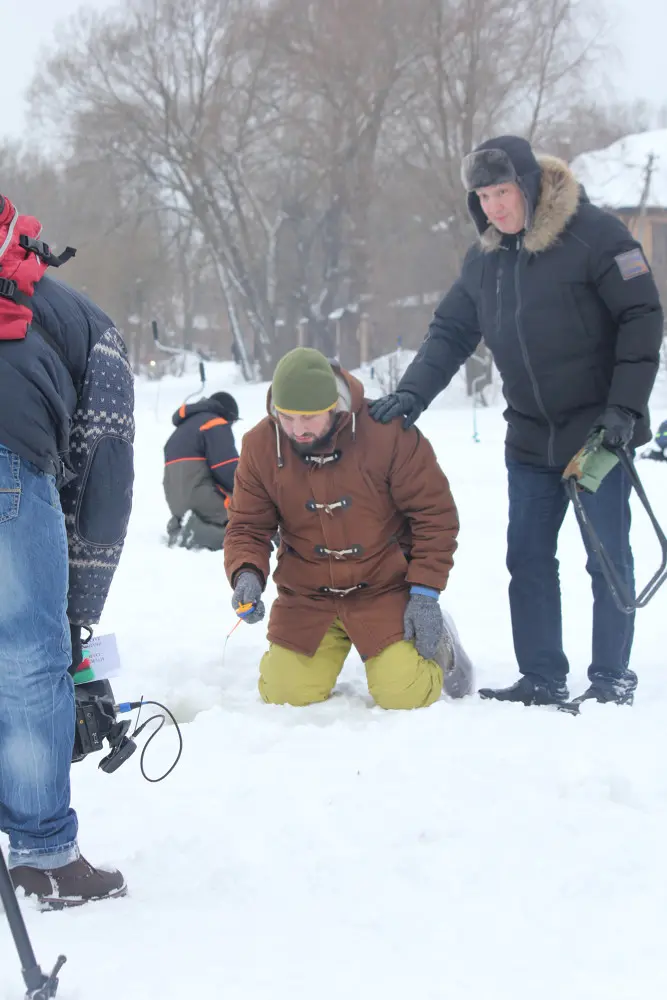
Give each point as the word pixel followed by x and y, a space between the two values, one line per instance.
pixel 565 299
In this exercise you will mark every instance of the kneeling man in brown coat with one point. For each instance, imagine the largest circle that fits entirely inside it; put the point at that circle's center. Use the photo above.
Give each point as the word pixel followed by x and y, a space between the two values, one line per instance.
pixel 368 531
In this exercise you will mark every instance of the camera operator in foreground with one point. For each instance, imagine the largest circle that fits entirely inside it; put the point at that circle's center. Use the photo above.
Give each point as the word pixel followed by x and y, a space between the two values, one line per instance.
pixel 66 475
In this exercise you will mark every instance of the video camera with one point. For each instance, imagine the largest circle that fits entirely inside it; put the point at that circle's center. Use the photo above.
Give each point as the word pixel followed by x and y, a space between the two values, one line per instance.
pixel 96 721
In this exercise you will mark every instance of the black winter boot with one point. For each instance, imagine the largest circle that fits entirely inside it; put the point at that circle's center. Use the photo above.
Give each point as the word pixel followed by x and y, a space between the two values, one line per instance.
pixel 529 691
pixel 616 695
pixel 173 531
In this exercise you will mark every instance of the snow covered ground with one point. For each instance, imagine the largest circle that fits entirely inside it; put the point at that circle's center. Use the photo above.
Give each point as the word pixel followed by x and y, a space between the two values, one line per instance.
pixel 469 851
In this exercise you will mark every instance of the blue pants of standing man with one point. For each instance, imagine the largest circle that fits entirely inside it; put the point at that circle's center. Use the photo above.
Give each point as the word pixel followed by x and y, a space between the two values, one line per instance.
pixel 537 505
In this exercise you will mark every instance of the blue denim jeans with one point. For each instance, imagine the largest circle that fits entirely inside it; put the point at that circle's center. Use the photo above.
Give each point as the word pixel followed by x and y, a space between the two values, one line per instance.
pixel 36 690
pixel 537 506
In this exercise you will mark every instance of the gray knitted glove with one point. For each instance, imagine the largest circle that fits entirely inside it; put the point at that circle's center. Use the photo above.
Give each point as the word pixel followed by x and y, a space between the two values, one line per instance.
pixel 248 590
pixel 423 623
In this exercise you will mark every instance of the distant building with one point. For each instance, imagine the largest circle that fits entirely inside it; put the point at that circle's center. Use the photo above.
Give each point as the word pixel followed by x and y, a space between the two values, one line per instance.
pixel 630 179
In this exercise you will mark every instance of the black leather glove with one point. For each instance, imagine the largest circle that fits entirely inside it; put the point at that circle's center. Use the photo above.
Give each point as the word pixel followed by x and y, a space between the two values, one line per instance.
pixel 248 590
pixel 618 425
pixel 396 404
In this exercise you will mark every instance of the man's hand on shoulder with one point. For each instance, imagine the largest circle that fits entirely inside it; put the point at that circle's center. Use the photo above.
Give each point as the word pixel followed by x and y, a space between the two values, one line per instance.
pixel 396 404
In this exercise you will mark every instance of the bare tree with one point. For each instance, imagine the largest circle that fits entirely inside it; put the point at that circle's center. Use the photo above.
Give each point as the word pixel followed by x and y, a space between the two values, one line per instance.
pixel 302 157
pixel 177 91
pixel 341 64
pixel 583 126
pixel 488 66
pixel 120 255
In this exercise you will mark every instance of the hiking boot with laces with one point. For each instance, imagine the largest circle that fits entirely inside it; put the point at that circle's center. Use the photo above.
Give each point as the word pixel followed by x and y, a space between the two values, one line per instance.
pixel 72 885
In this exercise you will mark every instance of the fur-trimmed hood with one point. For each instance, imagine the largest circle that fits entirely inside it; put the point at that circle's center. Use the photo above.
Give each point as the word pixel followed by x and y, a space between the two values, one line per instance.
pixel 559 198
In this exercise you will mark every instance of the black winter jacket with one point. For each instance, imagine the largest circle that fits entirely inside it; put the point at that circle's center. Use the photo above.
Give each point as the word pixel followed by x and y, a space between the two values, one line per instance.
pixel 67 406
pixel 570 312
pixel 204 433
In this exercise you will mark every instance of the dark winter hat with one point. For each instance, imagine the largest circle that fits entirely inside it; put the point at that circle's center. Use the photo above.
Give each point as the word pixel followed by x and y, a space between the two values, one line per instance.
pixel 304 382
pixel 508 159
pixel 227 403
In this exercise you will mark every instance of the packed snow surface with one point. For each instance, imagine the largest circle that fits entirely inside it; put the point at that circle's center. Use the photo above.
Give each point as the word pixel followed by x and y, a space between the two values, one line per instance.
pixel 468 851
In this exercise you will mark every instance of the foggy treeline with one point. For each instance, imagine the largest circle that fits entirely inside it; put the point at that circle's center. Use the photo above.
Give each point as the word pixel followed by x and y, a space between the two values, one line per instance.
pixel 289 170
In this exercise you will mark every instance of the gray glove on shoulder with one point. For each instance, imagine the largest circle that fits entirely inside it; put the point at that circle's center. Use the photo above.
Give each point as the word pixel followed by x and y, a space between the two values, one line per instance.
pixel 248 590
pixel 423 623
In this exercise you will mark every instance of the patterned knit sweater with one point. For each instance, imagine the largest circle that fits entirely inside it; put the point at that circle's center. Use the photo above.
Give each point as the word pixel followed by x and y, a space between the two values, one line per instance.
pixel 67 406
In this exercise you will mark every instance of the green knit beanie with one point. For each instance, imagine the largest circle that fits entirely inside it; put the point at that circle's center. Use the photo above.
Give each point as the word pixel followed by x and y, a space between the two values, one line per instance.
pixel 304 382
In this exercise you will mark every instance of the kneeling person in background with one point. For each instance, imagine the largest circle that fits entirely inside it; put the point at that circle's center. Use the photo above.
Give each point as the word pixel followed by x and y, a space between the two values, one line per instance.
pixel 368 531
pixel 200 460
pixel 658 450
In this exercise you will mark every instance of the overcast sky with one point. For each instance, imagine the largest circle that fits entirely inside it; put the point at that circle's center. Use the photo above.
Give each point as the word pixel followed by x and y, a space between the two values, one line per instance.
pixel 28 26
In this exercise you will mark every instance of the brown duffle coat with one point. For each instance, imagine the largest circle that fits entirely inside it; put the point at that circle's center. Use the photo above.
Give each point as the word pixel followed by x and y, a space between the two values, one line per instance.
pixel 359 523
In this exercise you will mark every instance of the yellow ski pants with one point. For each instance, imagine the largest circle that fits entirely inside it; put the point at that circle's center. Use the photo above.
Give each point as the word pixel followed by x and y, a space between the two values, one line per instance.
pixel 397 678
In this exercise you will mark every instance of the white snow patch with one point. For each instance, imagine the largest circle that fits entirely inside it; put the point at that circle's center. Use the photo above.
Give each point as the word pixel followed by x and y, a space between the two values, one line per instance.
pixel 614 177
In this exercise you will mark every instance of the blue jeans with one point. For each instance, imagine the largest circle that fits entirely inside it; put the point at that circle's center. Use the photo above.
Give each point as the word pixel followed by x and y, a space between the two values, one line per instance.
pixel 36 690
pixel 537 505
